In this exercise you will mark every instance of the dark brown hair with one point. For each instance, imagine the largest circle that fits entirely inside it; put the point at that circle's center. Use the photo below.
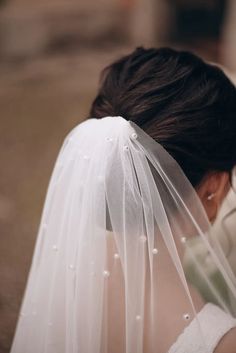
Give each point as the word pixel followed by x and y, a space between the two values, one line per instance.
pixel 184 103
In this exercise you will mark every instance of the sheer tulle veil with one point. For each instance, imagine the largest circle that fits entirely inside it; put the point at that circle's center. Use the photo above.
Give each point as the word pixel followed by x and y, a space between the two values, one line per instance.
pixel 108 271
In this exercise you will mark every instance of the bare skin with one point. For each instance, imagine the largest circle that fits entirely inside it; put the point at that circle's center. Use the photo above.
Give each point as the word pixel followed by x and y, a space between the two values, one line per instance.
pixel 217 184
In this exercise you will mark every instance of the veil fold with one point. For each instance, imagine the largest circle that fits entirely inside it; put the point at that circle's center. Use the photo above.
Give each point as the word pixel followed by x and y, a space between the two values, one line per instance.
pixel 108 271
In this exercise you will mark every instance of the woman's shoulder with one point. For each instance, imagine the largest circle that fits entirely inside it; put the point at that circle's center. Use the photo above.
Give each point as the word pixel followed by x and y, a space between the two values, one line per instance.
pixel 219 328
pixel 227 343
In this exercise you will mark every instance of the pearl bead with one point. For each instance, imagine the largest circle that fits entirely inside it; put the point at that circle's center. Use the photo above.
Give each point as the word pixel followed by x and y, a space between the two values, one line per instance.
pixel 143 239
pixel 55 247
pixel 138 317
pixel 71 267
pixel 116 256
pixel 126 148
pixel 106 274
pixel 186 316
pixel 154 251
pixel 183 240
pixel 86 157
pixel 134 136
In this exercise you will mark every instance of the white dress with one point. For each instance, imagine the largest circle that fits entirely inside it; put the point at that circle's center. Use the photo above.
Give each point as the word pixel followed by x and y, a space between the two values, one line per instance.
pixel 215 323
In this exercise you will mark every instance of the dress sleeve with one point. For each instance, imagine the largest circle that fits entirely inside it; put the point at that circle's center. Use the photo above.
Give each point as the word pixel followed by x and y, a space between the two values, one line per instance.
pixel 214 324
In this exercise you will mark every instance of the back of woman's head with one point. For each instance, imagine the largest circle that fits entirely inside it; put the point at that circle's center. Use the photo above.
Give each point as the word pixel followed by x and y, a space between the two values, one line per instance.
pixel 184 103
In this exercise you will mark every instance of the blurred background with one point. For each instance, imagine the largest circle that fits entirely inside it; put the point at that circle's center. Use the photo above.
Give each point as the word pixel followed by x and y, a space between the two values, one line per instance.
pixel 51 55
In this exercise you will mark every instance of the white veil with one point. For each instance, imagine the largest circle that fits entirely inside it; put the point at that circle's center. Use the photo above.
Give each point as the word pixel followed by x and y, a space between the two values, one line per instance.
pixel 107 274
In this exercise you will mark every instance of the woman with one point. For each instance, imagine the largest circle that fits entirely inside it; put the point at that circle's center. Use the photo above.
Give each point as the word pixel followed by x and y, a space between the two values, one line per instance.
pixel 132 185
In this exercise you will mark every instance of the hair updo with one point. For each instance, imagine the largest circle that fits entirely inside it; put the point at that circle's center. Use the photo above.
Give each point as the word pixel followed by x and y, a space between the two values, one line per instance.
pixel 182 102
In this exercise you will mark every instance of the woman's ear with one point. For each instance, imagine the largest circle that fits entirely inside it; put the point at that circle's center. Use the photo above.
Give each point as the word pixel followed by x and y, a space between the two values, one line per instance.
pixel 212 191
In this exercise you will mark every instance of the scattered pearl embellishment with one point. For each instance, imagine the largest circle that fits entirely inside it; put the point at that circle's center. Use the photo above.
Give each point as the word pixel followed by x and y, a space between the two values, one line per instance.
pixel 55 247
pixel 71 267
pixel 138 317
pixel 134 135
pixel 186 316
pixel 86 157
pixel 183 240
pixel 106 274
pixel 116 256
pixel 154 251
